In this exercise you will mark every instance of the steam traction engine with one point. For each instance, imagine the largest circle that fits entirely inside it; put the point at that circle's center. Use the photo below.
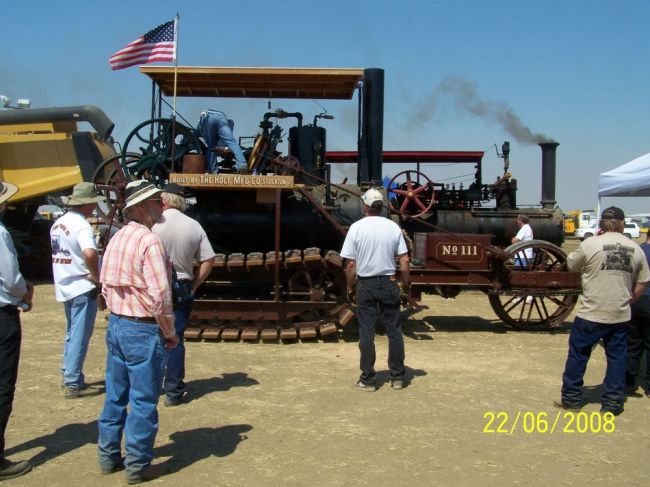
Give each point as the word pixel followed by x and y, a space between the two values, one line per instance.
pixel 278 229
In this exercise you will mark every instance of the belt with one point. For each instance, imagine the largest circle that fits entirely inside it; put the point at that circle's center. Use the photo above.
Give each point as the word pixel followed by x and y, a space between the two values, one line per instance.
pixel 9 308
pixel 138 319
pixel 377 278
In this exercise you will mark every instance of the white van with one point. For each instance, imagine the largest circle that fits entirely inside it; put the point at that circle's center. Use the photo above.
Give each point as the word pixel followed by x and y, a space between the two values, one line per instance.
pixel 631 230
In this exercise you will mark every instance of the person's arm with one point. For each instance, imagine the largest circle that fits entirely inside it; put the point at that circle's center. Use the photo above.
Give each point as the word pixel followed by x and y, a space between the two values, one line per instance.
pixel 638 291
pixel 350 273
pixel 158 288
pixel 576 259
pixel 405 270
pixel 91 259
pixel 203 272
pixel 9 270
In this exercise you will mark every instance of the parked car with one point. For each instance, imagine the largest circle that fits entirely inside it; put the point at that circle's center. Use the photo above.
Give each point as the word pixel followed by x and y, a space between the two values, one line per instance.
pixel 631 230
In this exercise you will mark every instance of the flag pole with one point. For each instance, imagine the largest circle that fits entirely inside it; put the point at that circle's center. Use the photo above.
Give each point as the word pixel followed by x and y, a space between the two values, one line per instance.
pixel 176 22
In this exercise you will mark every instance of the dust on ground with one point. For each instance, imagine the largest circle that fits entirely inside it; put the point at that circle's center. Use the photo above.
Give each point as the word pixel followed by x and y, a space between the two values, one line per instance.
pixel 288 414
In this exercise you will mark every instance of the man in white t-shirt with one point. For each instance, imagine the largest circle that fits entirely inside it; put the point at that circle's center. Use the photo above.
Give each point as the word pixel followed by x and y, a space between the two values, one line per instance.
pixel 75 265
pixel 370 247
pixel 525 233
pixel 185 241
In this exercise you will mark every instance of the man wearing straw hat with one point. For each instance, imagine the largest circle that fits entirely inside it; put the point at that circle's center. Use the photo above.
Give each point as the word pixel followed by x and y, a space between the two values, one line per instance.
pixel 14 291
pixel 75 266
pixel 136 282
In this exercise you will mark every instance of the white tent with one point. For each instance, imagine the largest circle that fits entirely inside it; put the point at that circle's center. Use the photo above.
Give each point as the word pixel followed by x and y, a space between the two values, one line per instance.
pixel 630 179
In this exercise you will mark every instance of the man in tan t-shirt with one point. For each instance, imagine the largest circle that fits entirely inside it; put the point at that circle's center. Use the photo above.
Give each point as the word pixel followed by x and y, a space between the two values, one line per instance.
pixel 614 274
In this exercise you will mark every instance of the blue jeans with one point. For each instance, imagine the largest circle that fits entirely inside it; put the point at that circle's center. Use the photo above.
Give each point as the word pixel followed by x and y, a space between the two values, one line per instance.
pixel 372 294
pixel 174 385
pixel 584 335
pixel 80 313
pixel 135 364
pixel 217 131
pixel 638 340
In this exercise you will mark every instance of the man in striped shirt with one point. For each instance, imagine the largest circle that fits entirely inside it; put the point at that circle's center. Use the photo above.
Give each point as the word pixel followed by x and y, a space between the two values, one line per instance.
pixel 136 277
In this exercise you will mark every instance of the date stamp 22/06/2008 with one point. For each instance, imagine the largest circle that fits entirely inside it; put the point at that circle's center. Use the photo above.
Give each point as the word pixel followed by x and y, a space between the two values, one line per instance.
pixel 531 422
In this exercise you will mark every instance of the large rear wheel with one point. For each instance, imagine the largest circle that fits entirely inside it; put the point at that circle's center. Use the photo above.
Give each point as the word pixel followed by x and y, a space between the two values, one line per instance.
pixel 530 308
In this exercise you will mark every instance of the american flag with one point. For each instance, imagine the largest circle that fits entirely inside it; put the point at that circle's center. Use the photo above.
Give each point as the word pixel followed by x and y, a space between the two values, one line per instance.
pixel 158 44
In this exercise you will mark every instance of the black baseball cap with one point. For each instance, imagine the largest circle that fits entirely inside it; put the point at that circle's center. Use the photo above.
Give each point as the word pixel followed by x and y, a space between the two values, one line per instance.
pixel 613 213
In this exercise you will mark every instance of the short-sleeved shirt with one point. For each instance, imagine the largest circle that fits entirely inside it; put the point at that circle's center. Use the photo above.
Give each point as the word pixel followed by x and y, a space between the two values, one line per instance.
pixel 136 274
pixel 611 265
pixel 526 233
pixel 12 284
pixel 373 242
pixel 184 240
pixel 70 236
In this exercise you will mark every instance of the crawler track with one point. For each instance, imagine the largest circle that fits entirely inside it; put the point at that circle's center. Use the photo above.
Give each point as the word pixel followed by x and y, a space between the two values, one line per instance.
pixel 247 297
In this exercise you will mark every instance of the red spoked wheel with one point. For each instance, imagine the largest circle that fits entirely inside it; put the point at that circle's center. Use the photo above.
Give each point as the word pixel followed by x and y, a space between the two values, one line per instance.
pixel 411 193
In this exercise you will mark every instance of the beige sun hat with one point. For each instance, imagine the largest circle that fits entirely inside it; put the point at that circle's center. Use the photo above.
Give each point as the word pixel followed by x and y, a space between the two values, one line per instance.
pixel 138 191
pixel 7 190
pixel 82 194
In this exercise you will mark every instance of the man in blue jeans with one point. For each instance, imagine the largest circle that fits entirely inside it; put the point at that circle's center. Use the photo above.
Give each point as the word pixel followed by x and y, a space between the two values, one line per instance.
pixel 136 282
pixel 614 274
pixel 217 130
pixel 75 266
pixel 185 242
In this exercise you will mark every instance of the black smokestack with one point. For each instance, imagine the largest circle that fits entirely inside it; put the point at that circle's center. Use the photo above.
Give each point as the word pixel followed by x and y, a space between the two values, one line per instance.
pixel 548 174
pixel 372 138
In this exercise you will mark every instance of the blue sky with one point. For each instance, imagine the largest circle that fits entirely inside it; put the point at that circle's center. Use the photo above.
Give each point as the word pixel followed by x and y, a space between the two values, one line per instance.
pixel 577 72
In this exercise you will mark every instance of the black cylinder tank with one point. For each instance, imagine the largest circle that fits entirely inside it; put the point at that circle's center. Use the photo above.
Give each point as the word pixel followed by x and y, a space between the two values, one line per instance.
pixel 501 224
pixel 307 143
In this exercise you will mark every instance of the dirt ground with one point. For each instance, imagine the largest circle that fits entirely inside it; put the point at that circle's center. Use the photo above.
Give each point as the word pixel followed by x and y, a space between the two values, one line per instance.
pixel 287 414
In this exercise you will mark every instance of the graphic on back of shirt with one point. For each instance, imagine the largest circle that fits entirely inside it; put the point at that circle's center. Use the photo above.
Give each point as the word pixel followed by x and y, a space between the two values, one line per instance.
pixel 56 247
pixel 617 258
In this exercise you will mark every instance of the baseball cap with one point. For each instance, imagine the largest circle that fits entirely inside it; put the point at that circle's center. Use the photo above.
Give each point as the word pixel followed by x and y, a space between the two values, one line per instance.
pixel 372 196
pixel 613 213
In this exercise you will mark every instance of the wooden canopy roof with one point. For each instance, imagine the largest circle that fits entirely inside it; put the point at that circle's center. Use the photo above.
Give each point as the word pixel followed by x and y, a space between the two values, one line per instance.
pixel 318 83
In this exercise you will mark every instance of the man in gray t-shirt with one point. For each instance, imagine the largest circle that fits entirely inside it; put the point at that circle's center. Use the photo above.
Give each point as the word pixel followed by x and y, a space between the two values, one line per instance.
pixel 614 274
pixel 185 241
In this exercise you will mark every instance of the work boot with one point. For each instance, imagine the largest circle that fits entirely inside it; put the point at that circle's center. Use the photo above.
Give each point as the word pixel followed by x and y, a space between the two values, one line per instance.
pixel 149 473
pixel 75 392
pixel 10 470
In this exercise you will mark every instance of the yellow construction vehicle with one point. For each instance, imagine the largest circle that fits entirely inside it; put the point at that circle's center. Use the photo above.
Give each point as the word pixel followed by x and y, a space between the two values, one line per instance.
pixel 573 220
pixel 44 152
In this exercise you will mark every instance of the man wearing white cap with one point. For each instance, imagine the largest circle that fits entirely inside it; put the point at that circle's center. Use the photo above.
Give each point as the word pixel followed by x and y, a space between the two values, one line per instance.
pixel 75 266
pixel 370 247
pixel 136 282
pixel 14 291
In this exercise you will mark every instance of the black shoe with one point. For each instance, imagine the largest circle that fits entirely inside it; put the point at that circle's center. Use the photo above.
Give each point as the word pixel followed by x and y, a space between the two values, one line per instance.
pixel 397 384
pixel 568 407
pixel 362 386
pixel 149 473
pixel 75 392
pixel 10 470
pixel 109 469
pixel 170 403
pixel 615 412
